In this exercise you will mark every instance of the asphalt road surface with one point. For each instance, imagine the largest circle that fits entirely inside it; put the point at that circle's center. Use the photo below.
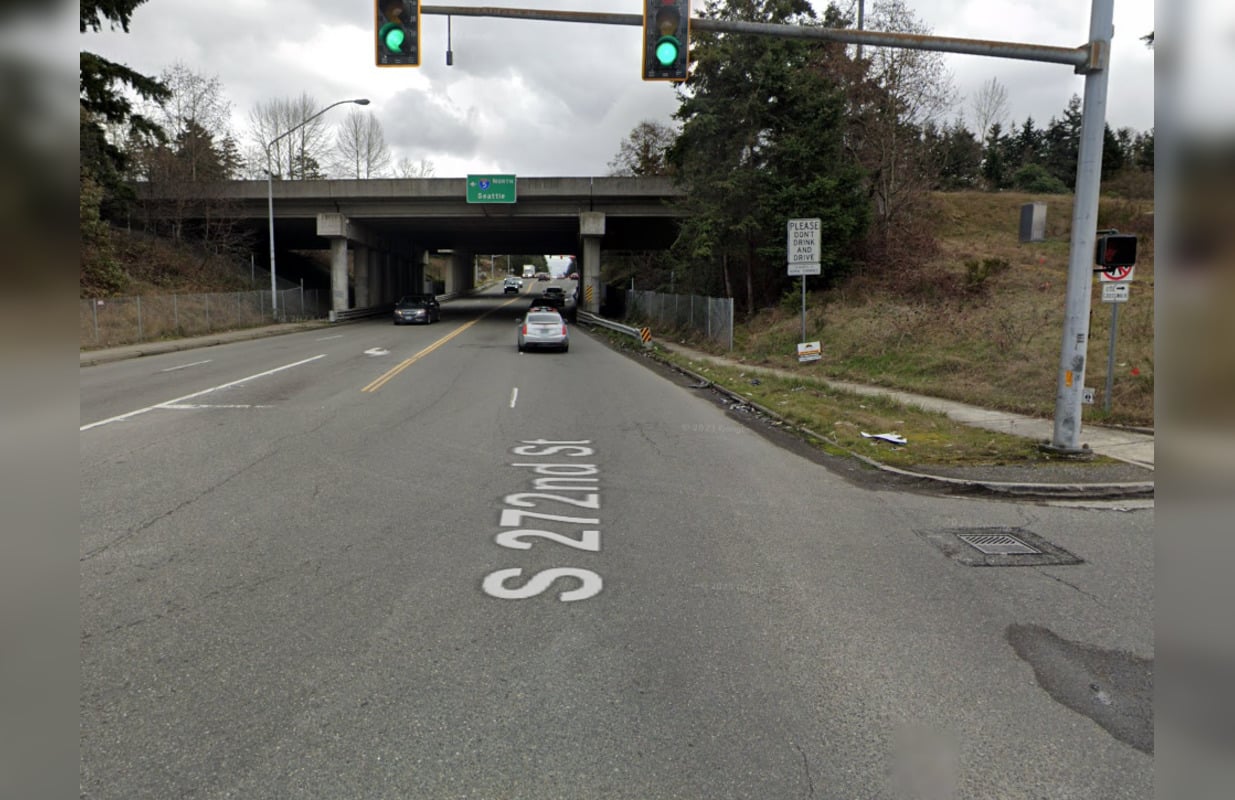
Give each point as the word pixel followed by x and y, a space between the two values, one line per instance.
pixel 409 562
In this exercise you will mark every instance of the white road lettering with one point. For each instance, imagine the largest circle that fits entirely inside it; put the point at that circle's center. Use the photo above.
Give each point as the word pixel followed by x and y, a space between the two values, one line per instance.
pixel 559 469
pixel 514 396
pixel 514 517
pixel 377 351
pixel 590 583
pixel 559 476
pixel 521 499
pixel 588 540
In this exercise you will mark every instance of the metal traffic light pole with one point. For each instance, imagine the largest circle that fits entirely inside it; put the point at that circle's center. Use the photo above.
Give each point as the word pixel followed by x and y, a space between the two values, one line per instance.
pixel 1091 59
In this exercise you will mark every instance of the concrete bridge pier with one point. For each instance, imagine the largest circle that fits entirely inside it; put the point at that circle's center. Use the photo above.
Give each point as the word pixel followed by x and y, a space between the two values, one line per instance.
pixel 591 230
pixel 360 275
pixel 460 275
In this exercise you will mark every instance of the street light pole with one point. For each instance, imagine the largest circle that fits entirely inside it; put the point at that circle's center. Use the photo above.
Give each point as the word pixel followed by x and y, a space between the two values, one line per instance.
pixel 274 289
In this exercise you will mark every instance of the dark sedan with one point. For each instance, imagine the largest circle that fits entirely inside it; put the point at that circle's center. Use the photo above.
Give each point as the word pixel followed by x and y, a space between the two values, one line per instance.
pixel 417 308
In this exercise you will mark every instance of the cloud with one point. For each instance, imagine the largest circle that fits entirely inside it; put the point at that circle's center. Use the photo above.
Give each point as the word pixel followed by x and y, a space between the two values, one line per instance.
pixel 557 98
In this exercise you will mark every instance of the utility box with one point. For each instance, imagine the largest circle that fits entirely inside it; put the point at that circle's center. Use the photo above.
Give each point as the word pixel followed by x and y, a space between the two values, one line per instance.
pixel 1033 222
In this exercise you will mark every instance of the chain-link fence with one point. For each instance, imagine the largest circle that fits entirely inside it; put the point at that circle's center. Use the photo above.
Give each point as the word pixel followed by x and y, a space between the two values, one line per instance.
pixel 115 321
pixel 709 316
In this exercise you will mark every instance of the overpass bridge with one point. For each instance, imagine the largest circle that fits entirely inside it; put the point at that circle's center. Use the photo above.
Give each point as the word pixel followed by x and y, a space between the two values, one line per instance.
pixel 380 231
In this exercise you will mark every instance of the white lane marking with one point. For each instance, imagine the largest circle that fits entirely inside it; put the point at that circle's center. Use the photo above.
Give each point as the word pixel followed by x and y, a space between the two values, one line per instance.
pixel 328 338
pixel 186 366
pixel 195 406
pixel 514 396
pixel 176 400
pixel 376 351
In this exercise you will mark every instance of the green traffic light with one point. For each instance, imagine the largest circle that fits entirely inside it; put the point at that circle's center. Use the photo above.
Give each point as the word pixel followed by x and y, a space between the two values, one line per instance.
pixel 667 51
pixel 394 39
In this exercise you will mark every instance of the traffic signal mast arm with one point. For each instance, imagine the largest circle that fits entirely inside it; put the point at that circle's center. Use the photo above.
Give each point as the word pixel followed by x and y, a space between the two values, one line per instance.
pixel 1091 55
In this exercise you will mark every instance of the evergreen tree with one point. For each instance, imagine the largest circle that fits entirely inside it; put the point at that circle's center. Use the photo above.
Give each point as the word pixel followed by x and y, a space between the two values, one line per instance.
pixel 1113 158
pixel 104 103
pixel 957 154
pixel 762 142
pixel 994 160
pixel 1062 143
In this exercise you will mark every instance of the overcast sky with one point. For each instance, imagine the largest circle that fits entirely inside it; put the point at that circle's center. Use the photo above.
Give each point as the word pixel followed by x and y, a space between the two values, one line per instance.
pixel 556 99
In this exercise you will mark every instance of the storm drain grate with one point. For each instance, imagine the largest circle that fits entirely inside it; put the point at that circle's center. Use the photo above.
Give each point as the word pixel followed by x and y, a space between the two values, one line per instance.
pixel 997 547
pixel 997 544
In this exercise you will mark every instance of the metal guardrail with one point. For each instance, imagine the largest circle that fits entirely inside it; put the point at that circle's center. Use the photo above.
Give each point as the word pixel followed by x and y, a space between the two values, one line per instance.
pixel 361 313
pixel 642 334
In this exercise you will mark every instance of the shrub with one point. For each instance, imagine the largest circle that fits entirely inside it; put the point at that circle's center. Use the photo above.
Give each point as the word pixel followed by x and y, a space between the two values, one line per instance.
pixel 1034 178
pixel 977 272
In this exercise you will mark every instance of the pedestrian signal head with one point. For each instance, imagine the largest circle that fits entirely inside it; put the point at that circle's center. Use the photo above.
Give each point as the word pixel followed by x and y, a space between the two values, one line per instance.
pixel 1115 250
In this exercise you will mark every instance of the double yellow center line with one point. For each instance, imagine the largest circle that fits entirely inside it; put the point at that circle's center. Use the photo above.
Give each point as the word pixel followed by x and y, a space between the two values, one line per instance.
pixel 386 376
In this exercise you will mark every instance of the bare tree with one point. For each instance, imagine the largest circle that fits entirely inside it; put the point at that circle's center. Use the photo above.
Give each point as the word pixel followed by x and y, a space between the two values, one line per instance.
pixel 360 146
pixel 905 91
pixel 196 117
pixel 300 155
pixel 407 168
pixel 643 151
pixel 990 106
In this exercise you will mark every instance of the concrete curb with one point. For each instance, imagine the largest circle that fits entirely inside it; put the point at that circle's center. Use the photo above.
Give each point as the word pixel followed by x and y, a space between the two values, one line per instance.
pixel 1072 491
pixel 89 358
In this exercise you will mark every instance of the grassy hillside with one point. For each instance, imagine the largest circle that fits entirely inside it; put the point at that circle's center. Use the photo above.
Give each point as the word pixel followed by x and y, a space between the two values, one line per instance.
pixel 982 321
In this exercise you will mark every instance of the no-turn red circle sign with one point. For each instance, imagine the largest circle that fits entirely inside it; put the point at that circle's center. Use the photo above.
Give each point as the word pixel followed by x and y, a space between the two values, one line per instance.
pixel 1116 274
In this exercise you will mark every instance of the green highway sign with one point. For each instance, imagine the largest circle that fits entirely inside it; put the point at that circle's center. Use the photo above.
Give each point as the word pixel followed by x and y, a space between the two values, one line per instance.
pixel 490 188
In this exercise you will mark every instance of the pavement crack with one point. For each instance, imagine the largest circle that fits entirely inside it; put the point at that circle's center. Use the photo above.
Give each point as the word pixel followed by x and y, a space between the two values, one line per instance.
pixel 1070 585
pixel 810 782
pixel 178 507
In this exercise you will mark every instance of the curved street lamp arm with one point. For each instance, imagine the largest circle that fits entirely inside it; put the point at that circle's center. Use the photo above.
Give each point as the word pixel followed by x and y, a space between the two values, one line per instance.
pixel 359 101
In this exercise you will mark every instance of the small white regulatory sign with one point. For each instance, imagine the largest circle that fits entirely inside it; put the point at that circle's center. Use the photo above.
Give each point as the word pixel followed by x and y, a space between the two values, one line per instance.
pixel 1116 274
pixel 809 351
pixel 1115 292
pixel 803 244
pixel 1087 395
pixel 805 269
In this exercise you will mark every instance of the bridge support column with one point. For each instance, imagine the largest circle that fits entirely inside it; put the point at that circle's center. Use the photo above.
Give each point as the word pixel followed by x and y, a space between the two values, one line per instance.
pixel 419 284
pixel 459 277
pixel 335 228
pixel 338 274
pixel 591 231
pixel 360 275
pixel 375 277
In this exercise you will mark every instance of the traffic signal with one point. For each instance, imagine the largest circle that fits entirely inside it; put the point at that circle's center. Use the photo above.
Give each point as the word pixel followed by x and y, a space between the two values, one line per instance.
pixel 398 33
pixel 1115 250
pixel 666 39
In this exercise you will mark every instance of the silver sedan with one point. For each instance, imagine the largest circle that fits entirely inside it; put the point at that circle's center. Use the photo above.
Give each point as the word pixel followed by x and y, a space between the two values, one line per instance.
pixel 543 327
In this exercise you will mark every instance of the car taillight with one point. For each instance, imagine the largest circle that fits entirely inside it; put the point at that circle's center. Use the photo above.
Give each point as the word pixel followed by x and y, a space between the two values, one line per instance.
pixel 563 328
pixel 525 329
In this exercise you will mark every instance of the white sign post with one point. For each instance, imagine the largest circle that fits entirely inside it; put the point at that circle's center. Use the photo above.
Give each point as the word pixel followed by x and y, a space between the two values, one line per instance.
pixel 803 250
